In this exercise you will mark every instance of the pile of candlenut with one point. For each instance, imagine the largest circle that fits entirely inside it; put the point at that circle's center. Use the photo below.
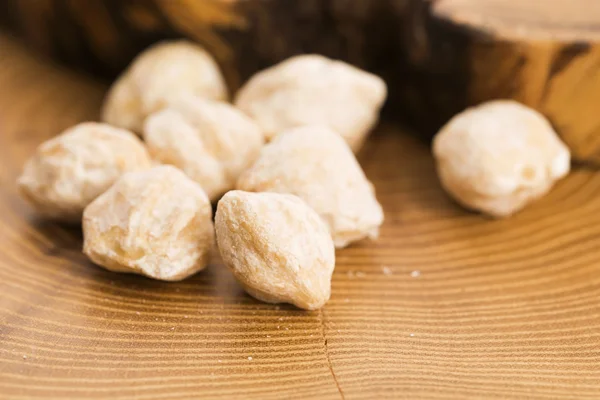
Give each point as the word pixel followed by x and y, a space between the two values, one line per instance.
pixel 145 204
pixel 279 161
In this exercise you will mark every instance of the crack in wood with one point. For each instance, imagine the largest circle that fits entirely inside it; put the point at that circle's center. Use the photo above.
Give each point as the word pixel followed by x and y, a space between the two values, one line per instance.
pixel 326 350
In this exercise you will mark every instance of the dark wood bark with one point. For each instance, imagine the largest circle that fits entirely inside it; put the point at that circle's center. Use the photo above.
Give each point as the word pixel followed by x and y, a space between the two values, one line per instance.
pixel 245 35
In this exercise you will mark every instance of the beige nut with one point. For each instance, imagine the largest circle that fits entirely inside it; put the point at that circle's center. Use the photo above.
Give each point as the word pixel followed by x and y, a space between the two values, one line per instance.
pixel 155 223
pixel 312 89
pixel 157 76
pixel 70 170
pixel 499 156
pixel 212 142
pixel 315 164
pixel 277 247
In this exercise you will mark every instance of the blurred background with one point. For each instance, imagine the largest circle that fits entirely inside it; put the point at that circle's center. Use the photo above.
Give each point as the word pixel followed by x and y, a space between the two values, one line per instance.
pixel 437 56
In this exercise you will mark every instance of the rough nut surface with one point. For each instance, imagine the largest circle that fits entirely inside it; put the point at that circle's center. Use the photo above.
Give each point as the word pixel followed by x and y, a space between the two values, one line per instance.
pixel 277 248
pixel 70 170
pixel 212 142
pixel 499 156
pixel 159 75
pixel 312 89
pixel 315 164
pixel 155 223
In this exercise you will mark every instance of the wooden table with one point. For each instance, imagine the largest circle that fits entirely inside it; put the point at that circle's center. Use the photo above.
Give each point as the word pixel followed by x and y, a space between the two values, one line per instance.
pixel 446 304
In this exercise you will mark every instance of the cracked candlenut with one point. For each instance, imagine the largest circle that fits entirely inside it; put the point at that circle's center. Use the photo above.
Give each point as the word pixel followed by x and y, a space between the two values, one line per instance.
pixel 70 170
pixel 499 156
pixel 315 164
pixel 312 89
pixel 277 247
pixel 155 223
pixel 156 77
pixel 212 142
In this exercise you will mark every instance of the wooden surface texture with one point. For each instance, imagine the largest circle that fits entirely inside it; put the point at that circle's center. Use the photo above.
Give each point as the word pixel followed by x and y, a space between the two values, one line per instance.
pixel 497 309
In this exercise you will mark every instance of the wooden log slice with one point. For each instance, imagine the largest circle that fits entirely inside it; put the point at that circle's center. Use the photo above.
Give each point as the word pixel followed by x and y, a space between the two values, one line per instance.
pixel 446 304
pixel 543 53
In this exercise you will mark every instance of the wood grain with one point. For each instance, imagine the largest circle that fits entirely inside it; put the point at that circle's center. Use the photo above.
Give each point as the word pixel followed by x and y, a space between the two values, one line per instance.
pixel 499 309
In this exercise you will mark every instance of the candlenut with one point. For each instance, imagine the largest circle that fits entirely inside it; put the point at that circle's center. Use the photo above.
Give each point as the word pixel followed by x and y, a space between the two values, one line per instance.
pixel 70 170
pixel 157 76
pixel 315 164
pixel 212 142
pixel 277 247
pixel 499 156
pixel 155 223
pixel 312 89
